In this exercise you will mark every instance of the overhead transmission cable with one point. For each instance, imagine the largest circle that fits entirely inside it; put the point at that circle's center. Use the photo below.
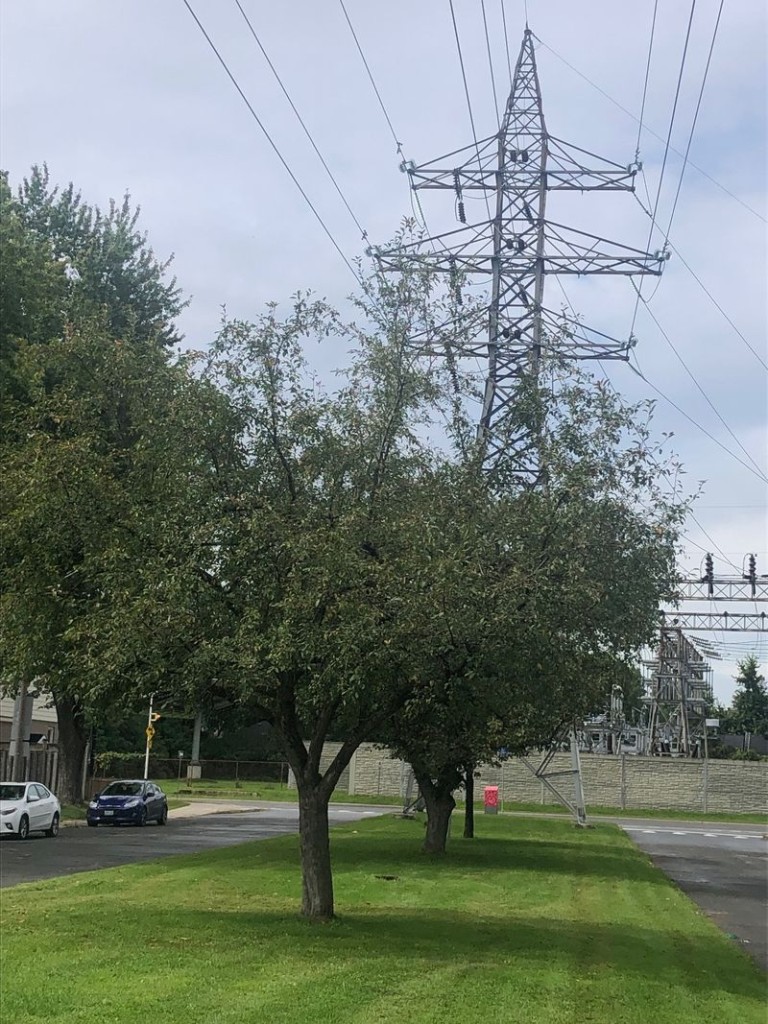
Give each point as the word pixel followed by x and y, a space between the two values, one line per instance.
pixel 693 123
pixel 414 196
pixel 506 39
pixel 696 424
pixel 639 290
pixel 469 101
pixel 271 141
pixel 645 83
pixel 372 80
pixel 665 473
pixel 650 131
pixel 328 171
pixel 701 390
pixel 490 63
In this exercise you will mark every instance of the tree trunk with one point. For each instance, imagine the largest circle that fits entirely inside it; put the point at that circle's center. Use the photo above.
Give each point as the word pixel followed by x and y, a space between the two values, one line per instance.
pixel 73 739
pixel 469 806
pixel 438 798
pixel 314 844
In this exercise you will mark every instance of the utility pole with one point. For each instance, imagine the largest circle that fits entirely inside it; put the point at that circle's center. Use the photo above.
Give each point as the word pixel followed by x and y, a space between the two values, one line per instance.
pixel 516 250
pixel 150 731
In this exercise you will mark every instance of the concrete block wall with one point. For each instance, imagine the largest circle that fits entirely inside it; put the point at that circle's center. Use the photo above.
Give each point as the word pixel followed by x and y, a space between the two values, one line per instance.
pixel 628 781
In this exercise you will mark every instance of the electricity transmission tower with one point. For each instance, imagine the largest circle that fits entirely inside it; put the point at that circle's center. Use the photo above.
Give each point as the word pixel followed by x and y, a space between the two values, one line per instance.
pixel 680 693
pixel 515 249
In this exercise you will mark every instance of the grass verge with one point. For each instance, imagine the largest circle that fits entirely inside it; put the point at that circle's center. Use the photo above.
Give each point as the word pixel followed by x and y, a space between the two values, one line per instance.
pixel 532 921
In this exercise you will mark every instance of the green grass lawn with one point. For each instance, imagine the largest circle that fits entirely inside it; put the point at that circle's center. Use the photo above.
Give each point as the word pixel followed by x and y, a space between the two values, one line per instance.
pixel 226 789
pixel 531 922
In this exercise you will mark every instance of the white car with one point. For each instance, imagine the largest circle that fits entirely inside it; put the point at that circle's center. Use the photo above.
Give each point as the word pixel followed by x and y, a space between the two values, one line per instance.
pixel 28 807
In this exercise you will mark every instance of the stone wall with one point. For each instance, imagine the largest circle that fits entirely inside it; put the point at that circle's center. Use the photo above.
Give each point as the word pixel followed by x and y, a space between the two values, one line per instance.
pixel 627 781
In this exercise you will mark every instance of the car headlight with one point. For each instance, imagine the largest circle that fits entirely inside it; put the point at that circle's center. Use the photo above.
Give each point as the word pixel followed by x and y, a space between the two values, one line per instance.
pixel 10 810
pixel 132 803
pixel 94 803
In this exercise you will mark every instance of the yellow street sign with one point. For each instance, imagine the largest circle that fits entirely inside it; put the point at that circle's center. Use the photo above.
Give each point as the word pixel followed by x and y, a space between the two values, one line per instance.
pixel 150 731
pixel 154 716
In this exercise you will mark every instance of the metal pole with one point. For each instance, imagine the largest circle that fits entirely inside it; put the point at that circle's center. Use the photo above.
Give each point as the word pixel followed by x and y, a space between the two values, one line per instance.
pixel 149 737
pixel 706 770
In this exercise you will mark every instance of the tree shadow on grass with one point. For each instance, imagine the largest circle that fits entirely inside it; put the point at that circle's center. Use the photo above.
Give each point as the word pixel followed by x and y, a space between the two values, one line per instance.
pixel 439 939
pixel 568 857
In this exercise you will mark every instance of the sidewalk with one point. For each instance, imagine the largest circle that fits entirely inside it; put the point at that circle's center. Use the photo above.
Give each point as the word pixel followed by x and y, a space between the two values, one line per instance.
pixel 199 808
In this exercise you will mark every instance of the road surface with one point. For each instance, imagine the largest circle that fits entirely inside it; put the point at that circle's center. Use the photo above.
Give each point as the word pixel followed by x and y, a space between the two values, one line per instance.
pixel 79 848
pixel 723 868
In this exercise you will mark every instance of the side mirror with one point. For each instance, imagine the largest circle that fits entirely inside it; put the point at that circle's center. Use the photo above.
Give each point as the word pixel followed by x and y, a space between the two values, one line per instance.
pixel 95 796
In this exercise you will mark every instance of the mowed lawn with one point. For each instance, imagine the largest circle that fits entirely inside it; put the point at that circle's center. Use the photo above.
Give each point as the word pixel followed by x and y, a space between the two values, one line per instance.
pixel 531 922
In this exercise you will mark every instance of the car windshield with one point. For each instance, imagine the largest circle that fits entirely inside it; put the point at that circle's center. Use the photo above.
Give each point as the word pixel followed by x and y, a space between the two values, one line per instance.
pixel 123 789
pixel 11 792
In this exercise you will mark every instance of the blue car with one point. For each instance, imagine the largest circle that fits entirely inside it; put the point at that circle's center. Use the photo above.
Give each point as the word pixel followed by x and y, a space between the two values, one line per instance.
pixel 128 802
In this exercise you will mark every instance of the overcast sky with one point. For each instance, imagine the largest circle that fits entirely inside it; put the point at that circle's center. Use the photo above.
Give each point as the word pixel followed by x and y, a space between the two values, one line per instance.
pixel 124 95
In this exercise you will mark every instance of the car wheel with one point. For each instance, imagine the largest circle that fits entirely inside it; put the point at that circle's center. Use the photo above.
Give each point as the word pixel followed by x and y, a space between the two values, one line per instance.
pixel 23 832
pixel 163 819
pixel 142 818
pixel 53 831
pixel 92 824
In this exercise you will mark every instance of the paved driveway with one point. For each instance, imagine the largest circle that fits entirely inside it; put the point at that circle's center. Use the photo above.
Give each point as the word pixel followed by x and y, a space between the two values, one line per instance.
pixel 78 848
pixel 723 868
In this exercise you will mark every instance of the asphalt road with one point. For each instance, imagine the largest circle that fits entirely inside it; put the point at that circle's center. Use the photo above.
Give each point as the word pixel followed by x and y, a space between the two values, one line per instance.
pixel 79 848
pixel 722 868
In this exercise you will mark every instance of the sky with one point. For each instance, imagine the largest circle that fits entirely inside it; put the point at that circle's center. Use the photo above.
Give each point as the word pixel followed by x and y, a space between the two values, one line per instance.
pixel 129 96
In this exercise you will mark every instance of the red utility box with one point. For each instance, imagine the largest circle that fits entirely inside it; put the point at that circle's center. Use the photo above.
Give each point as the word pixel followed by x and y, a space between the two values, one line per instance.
pixel 491 799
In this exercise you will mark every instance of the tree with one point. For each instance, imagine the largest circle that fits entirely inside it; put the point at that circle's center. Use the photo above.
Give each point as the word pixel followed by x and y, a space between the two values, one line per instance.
pixel 87 464
pixel 750 701
pixel 283 570
pixel 76 283
pixel 539 625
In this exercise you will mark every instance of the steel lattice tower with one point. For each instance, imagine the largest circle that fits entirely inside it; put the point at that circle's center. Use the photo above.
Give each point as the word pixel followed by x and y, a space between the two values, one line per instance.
pixel 517 247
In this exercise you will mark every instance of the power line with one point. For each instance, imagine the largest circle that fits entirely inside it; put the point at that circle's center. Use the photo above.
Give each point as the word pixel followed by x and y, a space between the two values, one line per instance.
pixel 649 130
pixel 716 547
pixel 328 171
pixel 707 292
pixel 695 118
pixel 506 39
pixel 490 62
pixel 645 83
pixel 703 287
pixel 698 426
pixel 372 80
pixel 270 140
pixel 703 393
pixel 469 101
pixel 666 152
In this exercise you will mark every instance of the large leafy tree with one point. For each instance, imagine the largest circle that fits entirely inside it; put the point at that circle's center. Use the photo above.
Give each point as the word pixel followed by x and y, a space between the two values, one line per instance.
pixel 77 284
pixel 90 460
pixel 554 597
pixel 285 570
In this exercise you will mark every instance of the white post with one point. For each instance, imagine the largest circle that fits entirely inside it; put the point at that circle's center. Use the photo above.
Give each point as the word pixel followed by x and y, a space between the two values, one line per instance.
pixel 149 737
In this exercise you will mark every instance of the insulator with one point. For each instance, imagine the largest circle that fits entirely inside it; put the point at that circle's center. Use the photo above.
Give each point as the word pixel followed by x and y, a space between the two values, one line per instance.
pixel 505 332
pixel 462 212
pixel 752 571
pixel 524 156
pixel 709 569
pixel 512 154
pixel 517 334
pixel 520 244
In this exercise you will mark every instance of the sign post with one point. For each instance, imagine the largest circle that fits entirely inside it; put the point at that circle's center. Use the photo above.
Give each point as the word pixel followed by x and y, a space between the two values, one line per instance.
pixel 150 734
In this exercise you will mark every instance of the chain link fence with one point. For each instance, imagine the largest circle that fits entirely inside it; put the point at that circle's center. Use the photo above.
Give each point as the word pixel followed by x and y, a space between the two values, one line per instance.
pixel 115 766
